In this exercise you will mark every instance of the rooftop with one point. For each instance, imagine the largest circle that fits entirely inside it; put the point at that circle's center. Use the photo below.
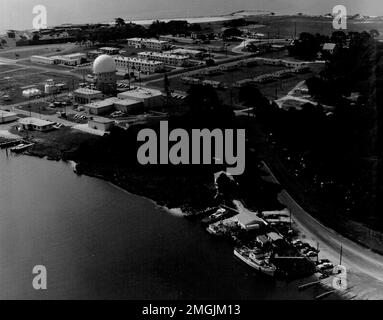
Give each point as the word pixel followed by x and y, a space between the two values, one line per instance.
pixel 100 104
pixel 35 122
pixel 329 46
pixel 87 91
pixel 109 48
pixel 164 54
pixel 141 93
pixel 4 114
pixel 138 60
pixel 101 120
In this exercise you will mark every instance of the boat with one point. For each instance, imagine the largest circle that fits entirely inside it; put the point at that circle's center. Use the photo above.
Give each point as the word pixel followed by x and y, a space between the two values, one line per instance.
pixel 21 147
pixel 256 259
pixel 219 215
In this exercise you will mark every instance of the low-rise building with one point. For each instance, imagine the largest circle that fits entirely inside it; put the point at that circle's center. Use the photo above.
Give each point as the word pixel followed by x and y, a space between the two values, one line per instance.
pixel 151 98
pixel 329 48
pixel 166 58
pixel 36 124
pixel 128 64
pixel 126 105
pixel 6 116
pixel 100 107
pixel 42 60
pixel 109 50
pixel 70 59
pixel 153 44
pixel 186 52
pixel 85 95
pixel 171 38
pixel 101 124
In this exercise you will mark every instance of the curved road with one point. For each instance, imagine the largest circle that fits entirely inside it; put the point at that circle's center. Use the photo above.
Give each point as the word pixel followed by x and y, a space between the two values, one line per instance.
pixel 356 258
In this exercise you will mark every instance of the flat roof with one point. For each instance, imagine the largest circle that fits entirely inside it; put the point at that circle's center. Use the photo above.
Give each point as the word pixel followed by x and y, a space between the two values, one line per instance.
pixel 141 93
pixel 100 104
pixel 164 54
pixel 35 122
pixel 109 48
pixel 4 114
pixel 129 59
pixel 87 91
pixel 101 120
pixel 124 102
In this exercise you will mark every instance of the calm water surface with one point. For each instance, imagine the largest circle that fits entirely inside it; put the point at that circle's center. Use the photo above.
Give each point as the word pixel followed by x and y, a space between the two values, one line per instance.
pixel 99 242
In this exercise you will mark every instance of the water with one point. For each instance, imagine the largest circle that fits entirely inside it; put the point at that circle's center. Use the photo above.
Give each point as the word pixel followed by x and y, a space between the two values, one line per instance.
pixel 98 241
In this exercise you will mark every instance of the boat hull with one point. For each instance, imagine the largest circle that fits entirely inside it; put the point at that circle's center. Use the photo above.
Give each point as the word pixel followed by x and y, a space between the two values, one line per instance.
pixel 267 271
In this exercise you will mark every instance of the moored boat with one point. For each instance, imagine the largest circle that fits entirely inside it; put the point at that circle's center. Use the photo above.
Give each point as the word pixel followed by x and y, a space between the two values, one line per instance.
pixel 21 147
pixel 256 259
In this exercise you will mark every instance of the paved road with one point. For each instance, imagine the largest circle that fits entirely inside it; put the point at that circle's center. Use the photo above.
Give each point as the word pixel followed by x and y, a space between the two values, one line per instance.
pixel 355 257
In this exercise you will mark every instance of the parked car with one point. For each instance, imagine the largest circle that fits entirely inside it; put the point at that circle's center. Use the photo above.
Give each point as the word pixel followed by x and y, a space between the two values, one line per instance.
pixel 325 266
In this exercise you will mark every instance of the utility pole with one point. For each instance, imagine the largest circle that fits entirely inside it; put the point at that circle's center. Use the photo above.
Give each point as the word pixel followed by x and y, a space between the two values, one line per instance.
pixel 341 253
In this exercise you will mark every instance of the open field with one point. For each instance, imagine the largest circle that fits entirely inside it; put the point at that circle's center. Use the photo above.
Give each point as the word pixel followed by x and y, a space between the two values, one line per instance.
pixel 44 50
pixel 19 79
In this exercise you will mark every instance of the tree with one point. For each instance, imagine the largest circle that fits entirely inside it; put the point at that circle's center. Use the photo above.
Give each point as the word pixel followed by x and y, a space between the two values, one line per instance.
pixel 120 22
pixel 232 32
pixel 374 33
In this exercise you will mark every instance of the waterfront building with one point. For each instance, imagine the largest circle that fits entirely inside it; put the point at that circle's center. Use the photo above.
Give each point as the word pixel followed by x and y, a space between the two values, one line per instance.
pixel 152 44
pixel 85 95
pixel 101 124
pixel 6 117
pixel 104 67
pixel 249 220
pixel 35 124
pixel 128 65
pixel 151 98
pixel 166 58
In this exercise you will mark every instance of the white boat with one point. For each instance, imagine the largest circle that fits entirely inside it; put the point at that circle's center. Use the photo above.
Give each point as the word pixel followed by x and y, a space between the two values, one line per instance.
pixel 256 259
pixel 21 147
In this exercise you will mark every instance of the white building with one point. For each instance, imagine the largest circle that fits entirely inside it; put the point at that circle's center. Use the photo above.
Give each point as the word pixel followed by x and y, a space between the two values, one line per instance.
pixel 36 124
pixel 31 93
pixel 128 64
pixel 100 124
pixel 109 50
pixel 6 116
pixel 85 95
pixel 151 98
pixel 166 58
pixel 152 44
pixel 70 59
pixel 186 52
pixel 42 60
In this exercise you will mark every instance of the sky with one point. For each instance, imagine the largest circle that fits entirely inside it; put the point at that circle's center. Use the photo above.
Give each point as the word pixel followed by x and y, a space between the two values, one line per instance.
pixel 17 14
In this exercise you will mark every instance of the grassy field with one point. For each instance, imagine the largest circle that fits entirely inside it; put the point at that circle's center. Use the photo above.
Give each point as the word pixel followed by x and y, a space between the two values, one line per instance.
pixel 44 50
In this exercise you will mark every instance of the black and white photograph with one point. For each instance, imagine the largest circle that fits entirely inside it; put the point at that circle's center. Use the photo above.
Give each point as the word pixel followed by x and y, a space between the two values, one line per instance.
pixel 191 150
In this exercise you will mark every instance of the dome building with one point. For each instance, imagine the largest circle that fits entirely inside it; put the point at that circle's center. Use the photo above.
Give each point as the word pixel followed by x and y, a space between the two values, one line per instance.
pixel 104 67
